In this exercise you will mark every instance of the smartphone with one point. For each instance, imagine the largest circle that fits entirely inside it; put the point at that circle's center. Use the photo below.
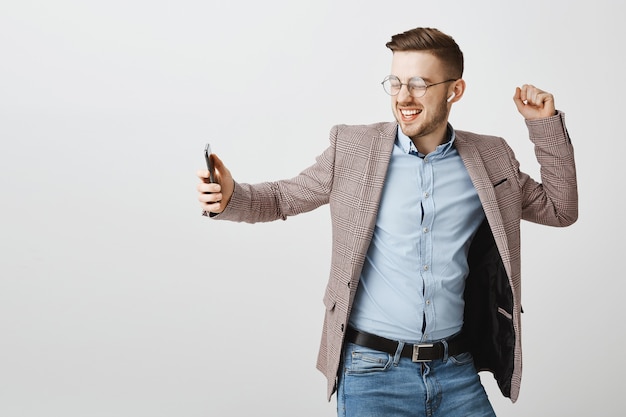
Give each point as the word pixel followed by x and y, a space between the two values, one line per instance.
pixel 209 165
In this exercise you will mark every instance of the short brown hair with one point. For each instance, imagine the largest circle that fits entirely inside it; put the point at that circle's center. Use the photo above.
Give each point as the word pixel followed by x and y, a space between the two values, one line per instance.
pixel 433 41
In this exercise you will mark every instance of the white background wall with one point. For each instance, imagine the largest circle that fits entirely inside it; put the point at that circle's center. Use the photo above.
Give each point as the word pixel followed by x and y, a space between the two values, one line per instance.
pixel 118 299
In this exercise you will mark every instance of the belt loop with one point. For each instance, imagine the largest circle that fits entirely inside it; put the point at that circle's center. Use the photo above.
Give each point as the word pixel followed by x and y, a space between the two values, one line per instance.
pixel 444 342
pixel 398 355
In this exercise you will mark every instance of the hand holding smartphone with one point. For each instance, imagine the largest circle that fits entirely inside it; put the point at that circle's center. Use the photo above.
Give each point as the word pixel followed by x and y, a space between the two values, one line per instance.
pixel 209 165
pixel 211 168
pixel 226 182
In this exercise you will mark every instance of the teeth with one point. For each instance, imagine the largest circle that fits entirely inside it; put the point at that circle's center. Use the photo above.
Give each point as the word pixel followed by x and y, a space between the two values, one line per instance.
pixel 410 112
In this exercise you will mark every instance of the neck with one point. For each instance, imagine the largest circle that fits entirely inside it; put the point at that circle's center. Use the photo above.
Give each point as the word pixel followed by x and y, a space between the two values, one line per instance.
pixel 429 142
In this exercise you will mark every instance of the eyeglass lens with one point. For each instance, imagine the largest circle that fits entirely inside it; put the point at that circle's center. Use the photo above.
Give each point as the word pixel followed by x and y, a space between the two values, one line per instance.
pixel 416 86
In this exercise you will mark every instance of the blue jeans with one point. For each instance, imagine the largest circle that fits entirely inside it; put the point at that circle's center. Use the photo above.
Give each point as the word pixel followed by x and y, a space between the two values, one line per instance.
pixel 377 384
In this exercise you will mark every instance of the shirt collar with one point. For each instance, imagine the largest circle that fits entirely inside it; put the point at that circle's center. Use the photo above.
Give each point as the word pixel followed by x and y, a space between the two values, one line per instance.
pixel 408 146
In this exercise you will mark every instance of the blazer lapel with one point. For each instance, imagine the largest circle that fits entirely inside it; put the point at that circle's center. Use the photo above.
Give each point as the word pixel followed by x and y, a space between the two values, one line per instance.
pixel 378 146
pixel 379 155
pixel 485 189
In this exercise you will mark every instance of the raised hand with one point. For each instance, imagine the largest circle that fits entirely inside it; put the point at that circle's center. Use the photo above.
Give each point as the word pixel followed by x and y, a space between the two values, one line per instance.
pixel 534 103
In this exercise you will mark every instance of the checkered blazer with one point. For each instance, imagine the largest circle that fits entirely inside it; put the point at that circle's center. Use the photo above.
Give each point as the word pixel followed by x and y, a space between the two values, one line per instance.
pixel 350 175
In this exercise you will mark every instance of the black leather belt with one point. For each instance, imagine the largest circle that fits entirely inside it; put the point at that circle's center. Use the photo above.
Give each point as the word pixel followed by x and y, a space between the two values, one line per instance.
pixel 423 352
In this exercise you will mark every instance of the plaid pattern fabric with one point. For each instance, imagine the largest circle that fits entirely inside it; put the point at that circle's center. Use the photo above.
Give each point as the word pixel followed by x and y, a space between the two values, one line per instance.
pixel 350 174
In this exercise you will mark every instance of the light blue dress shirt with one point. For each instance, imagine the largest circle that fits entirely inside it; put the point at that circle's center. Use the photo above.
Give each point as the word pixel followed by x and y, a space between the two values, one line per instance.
pixel 413 279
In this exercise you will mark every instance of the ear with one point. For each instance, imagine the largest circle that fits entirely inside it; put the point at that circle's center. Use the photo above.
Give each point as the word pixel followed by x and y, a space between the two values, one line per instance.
pixel 456 91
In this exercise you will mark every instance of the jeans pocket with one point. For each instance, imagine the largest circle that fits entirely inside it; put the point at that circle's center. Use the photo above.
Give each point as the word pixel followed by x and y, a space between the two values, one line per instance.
pixel 362 360
pixel 462 359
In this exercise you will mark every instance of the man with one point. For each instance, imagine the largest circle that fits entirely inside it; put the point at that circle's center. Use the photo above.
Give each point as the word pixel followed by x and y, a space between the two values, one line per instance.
pixel 424 288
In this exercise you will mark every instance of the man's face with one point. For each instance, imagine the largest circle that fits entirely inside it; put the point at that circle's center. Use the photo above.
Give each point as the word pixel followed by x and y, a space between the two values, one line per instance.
pixel 426 116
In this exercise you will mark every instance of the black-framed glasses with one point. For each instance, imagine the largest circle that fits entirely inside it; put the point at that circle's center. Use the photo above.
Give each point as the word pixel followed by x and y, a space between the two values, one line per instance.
pixel 417 86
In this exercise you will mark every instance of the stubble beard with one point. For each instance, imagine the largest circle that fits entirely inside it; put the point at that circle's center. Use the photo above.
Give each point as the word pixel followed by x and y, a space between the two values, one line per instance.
pixel 426 127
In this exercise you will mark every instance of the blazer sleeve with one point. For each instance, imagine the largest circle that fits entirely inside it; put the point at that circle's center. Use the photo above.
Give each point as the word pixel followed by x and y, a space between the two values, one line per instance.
pixel 268 201
pixel 554 201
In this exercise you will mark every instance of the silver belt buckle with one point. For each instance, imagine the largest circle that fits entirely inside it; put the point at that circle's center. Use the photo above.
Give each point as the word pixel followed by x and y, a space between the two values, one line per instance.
pixel 416 352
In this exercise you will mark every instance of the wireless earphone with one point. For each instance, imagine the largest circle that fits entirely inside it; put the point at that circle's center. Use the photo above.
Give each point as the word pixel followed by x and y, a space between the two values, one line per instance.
pixel 451 97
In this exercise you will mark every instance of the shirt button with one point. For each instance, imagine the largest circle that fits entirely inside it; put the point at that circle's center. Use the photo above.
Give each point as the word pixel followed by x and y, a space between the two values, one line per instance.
pixel 427 302
pixel 426 195
pixel 426 230
pixel 425 267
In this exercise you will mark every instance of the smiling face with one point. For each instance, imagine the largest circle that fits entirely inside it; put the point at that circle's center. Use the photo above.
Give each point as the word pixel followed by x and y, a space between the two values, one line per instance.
pixel 423 119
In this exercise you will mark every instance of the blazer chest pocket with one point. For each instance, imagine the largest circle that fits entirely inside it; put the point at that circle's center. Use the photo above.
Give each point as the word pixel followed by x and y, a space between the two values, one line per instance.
pixel 507 196
pixel 502 187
